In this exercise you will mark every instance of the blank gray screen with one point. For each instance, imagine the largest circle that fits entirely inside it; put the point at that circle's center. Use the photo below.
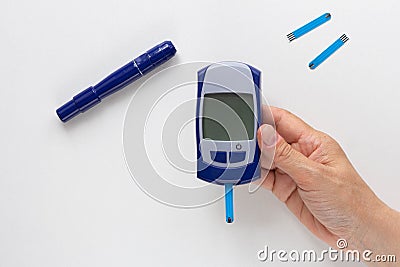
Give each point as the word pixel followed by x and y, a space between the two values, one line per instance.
pixel 228 117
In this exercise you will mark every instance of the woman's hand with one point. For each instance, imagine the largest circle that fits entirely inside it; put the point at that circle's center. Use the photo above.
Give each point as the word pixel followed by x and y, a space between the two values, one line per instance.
pixel 312 175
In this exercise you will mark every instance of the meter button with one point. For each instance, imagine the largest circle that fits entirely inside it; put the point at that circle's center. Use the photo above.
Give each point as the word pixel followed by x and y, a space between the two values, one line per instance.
pixel 218 156
pixel 235 157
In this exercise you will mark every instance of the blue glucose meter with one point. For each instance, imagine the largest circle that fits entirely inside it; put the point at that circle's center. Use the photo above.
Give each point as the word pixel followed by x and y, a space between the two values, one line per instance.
pixel 227 118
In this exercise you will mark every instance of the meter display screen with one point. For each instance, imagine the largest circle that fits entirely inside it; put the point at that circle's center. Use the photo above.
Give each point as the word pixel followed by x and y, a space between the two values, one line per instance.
pixel 228 117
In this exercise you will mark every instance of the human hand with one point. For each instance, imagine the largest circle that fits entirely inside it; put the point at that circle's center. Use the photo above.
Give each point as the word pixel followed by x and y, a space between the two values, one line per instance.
pixel 313 176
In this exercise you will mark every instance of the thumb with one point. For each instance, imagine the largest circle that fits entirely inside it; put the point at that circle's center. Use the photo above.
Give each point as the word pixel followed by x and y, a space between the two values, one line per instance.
pixel 286 158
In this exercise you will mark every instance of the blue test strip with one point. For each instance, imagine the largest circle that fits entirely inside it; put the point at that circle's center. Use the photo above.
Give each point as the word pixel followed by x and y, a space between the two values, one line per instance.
pixel 309 27
pixel 328 52
pixel 229 203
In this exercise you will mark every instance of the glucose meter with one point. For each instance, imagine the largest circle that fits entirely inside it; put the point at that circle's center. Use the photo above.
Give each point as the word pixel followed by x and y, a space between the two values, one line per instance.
pixel 227 118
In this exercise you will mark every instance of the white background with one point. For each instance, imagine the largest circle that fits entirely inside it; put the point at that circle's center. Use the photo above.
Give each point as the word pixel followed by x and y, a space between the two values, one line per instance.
pixel 66 196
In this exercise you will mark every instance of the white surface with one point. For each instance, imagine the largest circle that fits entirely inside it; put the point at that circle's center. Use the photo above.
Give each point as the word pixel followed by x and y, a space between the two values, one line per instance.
pixel 66 197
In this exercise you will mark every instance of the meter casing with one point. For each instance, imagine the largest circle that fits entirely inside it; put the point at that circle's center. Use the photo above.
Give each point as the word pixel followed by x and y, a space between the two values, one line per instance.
pixel 228 162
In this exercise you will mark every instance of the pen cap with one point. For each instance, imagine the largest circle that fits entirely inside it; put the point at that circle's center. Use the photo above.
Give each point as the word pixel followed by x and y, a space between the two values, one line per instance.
pixel 155 56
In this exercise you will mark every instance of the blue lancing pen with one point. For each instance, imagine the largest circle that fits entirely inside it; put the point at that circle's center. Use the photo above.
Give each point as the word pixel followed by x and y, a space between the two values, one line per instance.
pixel 309 27
pixel 117 80
pixel 328 52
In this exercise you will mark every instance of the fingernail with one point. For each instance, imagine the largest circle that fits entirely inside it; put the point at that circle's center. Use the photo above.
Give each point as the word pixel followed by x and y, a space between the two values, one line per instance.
pixel 268 135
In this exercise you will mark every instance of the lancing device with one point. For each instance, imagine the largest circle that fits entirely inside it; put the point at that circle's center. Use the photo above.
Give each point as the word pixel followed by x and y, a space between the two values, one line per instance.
pixel 117 80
